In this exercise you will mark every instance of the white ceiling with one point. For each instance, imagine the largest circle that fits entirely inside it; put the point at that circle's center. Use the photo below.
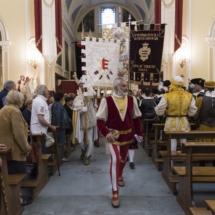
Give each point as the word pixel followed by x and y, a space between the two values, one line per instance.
pixel 143 8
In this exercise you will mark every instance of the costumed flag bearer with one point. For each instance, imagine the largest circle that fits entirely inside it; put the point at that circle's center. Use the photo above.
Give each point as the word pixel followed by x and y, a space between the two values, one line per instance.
pixel 118 119
pixel 84 121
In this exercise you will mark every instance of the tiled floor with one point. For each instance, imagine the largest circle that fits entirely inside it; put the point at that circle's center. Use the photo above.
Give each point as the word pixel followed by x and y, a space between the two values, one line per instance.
pixel 86 189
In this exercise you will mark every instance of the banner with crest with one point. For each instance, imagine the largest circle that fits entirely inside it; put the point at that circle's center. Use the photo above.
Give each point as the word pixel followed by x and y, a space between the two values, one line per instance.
pixel 146 48
pixel 121 34
pixel 101 61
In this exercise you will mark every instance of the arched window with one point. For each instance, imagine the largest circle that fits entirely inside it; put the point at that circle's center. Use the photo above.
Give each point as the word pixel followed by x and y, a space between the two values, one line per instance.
pixel 108 15
pixel 125 15
pixel 88 22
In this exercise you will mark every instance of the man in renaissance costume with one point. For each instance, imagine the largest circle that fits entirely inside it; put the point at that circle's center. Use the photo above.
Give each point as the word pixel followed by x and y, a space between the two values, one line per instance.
pixel 177 105
pixel 206 108
pixel 84 121
pixel 199 87
pixel 118 119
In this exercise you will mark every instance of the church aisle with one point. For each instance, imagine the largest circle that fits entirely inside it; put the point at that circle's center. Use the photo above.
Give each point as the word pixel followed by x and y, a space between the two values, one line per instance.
pixel 86 189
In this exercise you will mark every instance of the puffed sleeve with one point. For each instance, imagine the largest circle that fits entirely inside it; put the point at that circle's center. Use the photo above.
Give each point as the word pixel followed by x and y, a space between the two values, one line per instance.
pixel 136 110
pixel 161 107
pixel 192 108
pixel 102 112
pixel 102 115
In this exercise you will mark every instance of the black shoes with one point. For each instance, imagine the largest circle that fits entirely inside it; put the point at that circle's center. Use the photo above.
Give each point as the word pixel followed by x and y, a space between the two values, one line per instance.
pixel 26 202
pixel 132 166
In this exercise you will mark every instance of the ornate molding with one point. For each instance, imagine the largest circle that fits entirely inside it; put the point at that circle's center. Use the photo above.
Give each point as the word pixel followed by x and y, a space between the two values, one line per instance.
pixel 210 41
pixel 5 45
pixel 3 31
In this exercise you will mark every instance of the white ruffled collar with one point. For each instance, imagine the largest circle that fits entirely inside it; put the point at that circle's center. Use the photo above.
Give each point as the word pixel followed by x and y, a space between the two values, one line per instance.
pixel 210 94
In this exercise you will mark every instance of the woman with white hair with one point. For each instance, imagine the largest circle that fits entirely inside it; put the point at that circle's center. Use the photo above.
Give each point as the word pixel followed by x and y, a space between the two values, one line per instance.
pixel 14 134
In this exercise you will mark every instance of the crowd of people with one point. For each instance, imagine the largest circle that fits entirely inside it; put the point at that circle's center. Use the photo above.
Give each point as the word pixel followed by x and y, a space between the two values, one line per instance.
pixel 117 117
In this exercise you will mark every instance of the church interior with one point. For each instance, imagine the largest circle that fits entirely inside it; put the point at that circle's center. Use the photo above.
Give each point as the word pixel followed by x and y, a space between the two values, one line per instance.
pixel 73 188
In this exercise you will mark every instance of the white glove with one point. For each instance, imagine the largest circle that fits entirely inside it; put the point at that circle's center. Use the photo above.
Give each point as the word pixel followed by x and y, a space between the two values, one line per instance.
pixel 84 109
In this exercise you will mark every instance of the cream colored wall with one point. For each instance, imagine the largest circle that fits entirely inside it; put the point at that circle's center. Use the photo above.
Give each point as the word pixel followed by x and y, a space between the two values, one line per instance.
pixel 12 13
pixel 203 16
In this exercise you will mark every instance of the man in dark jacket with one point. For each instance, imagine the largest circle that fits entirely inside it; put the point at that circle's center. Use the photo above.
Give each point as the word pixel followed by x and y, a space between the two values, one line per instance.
pixel 8 85
pixel 147 106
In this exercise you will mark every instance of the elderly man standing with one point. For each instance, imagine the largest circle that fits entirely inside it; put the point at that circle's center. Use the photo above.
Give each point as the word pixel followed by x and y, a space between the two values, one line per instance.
pixel 40 119
pixel 118 119
pixel 177 104
pixel 8 85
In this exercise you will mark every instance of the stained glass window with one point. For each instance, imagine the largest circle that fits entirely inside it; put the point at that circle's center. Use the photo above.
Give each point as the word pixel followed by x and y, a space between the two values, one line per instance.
pixel 108 15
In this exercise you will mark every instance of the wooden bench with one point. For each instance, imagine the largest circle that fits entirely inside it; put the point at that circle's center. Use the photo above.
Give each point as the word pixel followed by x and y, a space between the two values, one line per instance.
pixel 193 174
pixel 55 160
pixel 36 185
pixel 157 144
pixel 200 211
pixel 12 185
pixel 147 135
pixel 211 205
pixel 167 173
pixel 68 150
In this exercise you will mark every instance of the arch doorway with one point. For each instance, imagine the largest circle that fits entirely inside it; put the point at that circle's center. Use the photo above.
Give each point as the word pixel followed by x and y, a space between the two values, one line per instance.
pixel 4 54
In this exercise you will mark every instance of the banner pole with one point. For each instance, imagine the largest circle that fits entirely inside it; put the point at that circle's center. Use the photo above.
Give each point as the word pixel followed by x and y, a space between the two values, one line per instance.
pixel 129 24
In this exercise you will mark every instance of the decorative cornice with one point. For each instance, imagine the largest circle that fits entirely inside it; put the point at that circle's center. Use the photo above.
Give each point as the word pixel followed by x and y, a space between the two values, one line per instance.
pixel 210 41
pixel 5 45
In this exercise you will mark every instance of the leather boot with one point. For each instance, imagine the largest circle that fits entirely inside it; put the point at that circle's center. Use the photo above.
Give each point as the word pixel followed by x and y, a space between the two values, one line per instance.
pixel 83 152
pixel 121 182
pixel 115 199
pixel 87 160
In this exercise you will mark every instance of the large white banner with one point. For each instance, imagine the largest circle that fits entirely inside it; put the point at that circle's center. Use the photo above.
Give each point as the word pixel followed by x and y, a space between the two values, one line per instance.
pixel 122 34
pixel 102 60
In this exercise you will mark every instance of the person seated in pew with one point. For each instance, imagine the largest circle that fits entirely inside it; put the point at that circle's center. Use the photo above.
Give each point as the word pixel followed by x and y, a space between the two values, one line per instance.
pixel 14 133
pixel 177 104
pixel 60 118
pixel 27 112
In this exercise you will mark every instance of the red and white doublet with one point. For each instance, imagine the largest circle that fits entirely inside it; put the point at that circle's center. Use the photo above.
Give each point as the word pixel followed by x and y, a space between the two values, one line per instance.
pixel 123 115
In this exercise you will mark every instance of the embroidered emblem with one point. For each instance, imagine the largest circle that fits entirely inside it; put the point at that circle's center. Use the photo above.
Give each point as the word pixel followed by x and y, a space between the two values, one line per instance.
pixel 42 108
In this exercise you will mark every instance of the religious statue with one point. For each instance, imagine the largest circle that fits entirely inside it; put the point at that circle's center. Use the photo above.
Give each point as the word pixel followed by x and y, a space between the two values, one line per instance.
pixel 21 84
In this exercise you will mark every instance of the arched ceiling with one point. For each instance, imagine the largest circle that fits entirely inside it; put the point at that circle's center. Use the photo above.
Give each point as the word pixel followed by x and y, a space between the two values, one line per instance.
pixel 140 7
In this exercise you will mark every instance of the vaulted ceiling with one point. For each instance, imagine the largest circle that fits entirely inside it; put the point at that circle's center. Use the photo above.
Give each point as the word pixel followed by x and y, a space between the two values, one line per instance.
pixel 141 7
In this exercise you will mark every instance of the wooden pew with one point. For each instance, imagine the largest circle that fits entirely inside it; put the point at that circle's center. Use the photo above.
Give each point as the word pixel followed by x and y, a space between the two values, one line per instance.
pixel 36 185
pixel 200 211
pixel 156 143
pixel 190 174
pixel 55 162
pixel 68 150
pixel 147 135
pixel 12 185
pixel 170 179
pixel 211 205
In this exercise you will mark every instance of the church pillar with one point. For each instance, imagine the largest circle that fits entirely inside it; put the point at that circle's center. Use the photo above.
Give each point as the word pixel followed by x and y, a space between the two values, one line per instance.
pixel 5 60
pixel 211 57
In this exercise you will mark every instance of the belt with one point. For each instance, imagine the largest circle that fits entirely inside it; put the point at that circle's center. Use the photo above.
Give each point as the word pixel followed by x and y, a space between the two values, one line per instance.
pixel 123 132
pixel 176 115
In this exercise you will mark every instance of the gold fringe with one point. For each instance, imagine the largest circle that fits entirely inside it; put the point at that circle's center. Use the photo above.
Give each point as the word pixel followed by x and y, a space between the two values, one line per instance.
pixel 168 5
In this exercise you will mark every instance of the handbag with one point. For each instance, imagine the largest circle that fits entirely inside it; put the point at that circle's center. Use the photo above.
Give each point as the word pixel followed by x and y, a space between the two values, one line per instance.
pixel 34 153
